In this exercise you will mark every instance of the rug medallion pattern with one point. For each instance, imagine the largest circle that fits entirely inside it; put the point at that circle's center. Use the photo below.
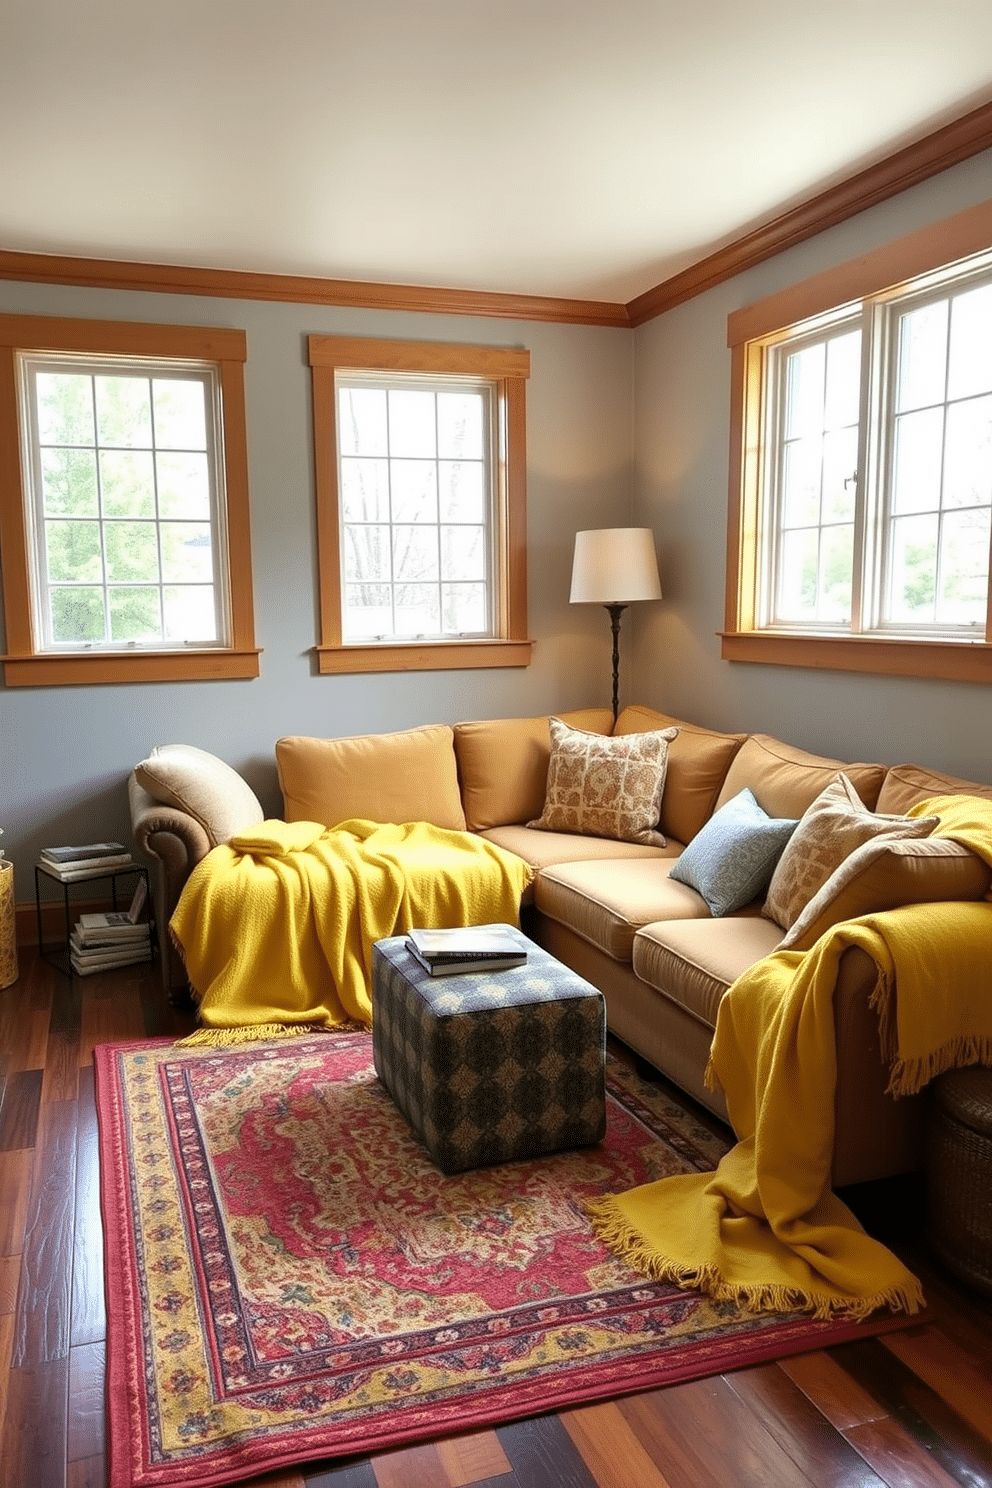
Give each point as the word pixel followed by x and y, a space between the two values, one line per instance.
pixel 289 1277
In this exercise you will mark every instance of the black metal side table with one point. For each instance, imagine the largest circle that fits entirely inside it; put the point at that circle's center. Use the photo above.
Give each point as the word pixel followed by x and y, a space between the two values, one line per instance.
pixel 61 957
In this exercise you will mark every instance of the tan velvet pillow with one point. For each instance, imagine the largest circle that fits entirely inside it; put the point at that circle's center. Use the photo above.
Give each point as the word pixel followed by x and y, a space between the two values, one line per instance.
pixel 883 874
pixel 503 764
pixel 785 780
pixel 207 789
pixel 401 777
pixel 606 787
pixel 698 760
pixel 828 832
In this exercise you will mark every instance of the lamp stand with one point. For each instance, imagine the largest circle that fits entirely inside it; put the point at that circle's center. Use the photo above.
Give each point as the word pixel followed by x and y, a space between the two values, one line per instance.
pixel 615 611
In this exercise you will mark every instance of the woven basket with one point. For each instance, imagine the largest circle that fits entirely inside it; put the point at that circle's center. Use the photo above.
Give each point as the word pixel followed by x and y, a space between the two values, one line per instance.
pixel 8 925
pixel 959 1174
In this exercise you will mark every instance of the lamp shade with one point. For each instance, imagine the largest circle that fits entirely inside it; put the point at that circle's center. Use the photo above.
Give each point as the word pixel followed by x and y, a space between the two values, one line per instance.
pixel 614 565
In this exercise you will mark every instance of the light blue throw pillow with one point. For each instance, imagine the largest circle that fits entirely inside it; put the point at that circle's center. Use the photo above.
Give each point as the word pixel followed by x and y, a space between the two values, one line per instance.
pixel 732 858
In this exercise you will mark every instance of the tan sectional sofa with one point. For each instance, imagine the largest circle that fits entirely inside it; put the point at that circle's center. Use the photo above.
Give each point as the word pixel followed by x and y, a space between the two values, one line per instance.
pixel 609 908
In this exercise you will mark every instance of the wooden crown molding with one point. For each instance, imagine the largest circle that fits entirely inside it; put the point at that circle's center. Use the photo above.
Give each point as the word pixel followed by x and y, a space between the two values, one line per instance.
pixel 926 157
pixel 957 141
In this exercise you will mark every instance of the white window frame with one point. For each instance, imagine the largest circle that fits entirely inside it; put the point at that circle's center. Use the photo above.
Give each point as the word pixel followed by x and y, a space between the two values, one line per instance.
pixel 944 259
pixel 506 370
pixel 32 658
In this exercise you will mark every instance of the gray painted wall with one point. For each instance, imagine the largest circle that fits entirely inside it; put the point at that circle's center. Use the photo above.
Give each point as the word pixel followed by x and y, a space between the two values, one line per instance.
pixel 682 412
pixel 65 752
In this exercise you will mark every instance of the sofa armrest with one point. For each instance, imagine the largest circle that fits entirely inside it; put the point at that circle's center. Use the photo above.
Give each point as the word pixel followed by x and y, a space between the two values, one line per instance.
pixel 178 842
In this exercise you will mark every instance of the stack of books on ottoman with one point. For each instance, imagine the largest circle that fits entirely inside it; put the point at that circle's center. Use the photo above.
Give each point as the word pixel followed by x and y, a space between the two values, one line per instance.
pixel 474 948
pixel 70 864
pixel 103 940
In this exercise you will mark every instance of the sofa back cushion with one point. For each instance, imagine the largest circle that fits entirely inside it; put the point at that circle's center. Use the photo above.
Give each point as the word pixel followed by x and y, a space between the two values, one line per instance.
pixel 503 764
pixel 904 785
pixel 204 787
pixel 401 777
pixel 698 761
pixel 785 781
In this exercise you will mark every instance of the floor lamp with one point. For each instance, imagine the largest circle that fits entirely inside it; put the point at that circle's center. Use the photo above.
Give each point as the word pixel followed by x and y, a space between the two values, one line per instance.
pixel 615 567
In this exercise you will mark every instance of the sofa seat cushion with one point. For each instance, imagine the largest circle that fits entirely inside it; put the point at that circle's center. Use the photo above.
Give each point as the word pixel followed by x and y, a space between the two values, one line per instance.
pixel 401 777
pixel 544 849
pixel 503 764
pixel 693 962
pixel 785 781
pixel 608 906
pixel 698 760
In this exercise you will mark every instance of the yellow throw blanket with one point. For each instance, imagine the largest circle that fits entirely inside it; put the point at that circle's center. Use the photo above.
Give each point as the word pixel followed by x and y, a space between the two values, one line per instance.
pixel 276 929
pixel 765 1228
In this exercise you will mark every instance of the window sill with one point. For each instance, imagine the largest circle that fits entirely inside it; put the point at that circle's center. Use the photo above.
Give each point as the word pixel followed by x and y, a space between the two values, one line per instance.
pixel 434 656
pixel 954 661
pixel 148 666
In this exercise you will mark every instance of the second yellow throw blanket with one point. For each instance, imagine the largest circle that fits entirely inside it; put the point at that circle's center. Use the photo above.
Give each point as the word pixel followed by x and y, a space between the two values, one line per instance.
pixel 765 1229
pixel 276 928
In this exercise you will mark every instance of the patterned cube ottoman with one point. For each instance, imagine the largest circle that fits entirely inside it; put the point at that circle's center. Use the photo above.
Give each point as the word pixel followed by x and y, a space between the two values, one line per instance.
pixel 490 1066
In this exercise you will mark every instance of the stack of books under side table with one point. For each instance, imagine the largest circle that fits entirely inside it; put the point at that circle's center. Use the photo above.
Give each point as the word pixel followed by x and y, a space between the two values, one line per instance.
pixel 100 940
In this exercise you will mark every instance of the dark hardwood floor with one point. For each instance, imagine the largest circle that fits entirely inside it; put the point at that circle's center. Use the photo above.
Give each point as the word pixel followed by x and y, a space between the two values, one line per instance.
pixel 910 1410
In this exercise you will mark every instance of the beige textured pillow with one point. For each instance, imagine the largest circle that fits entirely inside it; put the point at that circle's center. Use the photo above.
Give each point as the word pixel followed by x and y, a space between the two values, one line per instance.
pixel 883 874
pixel 503 764
pixel 401 777
pixel 828 832
pixel 207 789
pixel 606 787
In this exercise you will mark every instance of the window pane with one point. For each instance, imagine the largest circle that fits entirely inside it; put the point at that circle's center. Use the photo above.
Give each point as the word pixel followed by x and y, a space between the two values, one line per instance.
pixel 189 613
pixel 913 569
pixel 187 552
pixel 970 367
pixel 842 404
pixel 415 553
pixel 365 490
pixel 801 482
pixel 968 454
pixel 460 428
pixel 362 426
pixel 840 468
pixel 180 414
pixel 127 483
pixel 917 460
pixel 367 611
pixel 124 411
pixel 964 565
pixel 367 554
pixel 838 569
pixel 462 490
pixel 804 396
pixel 418 610
pixel 68 482
pixel 463 552
pixel 132 552
pixel 134 615
pixel 76 615
pixel 464 608
pixel 413 485
pixel 184 486
pixel 797 585
pixel 65 408
pixel 73 550
pixel 922 356
pixel 412 431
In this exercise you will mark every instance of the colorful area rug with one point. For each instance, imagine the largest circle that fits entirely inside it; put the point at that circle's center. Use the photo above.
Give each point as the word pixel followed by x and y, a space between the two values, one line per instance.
pixel 289 1278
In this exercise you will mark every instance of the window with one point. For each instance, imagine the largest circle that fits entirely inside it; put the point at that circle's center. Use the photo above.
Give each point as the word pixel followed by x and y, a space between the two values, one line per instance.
pixel 861 486
pixel 125 549
pixel 421 504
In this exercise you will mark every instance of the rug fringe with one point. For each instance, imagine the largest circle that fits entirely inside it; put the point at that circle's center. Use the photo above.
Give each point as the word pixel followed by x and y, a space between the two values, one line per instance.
pixel 626 1241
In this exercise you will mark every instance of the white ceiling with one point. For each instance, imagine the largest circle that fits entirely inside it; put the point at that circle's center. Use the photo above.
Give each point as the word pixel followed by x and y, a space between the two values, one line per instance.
pixel 574 148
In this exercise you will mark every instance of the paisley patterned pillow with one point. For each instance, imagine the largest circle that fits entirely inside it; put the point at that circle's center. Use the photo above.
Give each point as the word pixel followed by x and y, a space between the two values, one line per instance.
pixel 605 786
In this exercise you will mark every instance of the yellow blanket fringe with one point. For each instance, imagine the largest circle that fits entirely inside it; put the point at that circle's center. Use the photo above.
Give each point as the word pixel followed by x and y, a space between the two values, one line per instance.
pixel 276 928
pixel 765 1230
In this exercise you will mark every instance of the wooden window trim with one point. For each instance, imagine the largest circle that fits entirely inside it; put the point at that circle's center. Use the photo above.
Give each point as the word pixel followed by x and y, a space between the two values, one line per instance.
pixel 508 368
pixel 749 331
pixel 227 348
